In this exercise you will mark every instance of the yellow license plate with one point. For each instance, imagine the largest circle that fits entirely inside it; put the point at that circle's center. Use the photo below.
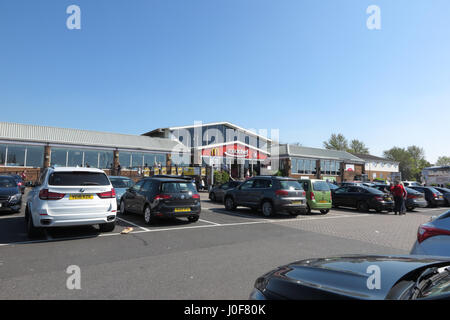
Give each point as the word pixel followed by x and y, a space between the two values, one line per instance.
pixel 182 210
pixel 297 202
pixel 81 197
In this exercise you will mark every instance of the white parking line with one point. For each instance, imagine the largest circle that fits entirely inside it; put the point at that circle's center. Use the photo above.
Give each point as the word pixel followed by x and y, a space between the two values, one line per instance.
pixel 210 222
pixel 133 224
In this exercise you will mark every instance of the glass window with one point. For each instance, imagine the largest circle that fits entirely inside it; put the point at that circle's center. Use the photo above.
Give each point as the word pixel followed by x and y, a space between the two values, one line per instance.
pixel 35 156
pixel 91 158
pixel 333 167
pixel 322 167
pixel 16 156
pixel 262 184
pixel 78 179
pixel 247 185
pixel 58 157
pixel 149 159
pixel 137 160
pixel 294 165
pixel 2 154
pixel 301 166
pixel 338 168
pixel 308 166
pixel 106 159
pixel 75 158
pixel 313 167
pixel 321 186
pixel 290 185
pixel 124 159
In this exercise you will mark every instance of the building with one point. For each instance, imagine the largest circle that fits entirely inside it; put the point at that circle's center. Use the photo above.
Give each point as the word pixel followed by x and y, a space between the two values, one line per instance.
pixel 437 175
pixel 32 147
pixel 220 145
pixel 315 163
pixel 378 168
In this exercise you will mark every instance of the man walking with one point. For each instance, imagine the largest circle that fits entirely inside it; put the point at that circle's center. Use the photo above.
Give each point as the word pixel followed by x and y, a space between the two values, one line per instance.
pixel 399 194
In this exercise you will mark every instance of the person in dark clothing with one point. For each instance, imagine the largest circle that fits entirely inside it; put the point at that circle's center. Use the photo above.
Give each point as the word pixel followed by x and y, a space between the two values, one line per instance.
pixel 399 193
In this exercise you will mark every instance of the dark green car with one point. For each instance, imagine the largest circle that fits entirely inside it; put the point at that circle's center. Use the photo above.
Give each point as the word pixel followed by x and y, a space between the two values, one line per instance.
pixel 318 195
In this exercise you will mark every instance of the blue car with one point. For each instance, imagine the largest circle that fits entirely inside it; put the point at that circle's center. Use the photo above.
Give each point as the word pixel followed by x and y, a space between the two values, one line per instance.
pixel 121 185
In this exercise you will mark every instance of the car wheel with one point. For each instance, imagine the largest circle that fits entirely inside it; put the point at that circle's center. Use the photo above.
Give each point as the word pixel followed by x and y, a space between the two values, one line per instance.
pixel 267 209
pixel 213 197
pixel 363 206
pixel 122 209
pixel 324 211
pixel 32 231
pixel 229 204
pixel 148 215
pixel 378 210
pixel 193 218
pixel 107 227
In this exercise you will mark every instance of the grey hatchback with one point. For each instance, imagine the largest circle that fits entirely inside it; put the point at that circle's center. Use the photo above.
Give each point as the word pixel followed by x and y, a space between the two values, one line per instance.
pixel 271 194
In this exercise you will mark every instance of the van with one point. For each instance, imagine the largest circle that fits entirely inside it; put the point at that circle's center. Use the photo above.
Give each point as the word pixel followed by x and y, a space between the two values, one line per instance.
pixel 318 195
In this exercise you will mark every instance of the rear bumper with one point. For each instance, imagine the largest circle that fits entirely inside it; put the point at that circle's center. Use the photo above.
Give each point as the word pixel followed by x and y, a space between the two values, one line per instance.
pixel 291 205
pixel 440 202
pixel 385 205
pixel 416 203
pixel 74 220
pixel 319 206
pixel 5 205
pixel 174 212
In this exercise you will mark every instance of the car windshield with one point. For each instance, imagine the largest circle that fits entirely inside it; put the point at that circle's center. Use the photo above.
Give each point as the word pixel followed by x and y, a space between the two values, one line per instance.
pixel 321 186
pixel 290 185
pixel 121 183
pixel 78 178
pixel 7 183
pixel 175 187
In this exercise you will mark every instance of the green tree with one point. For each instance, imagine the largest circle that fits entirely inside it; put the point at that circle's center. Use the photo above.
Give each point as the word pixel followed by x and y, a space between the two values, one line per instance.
pixel 357 146
pixel 405 161
pixel 443 161
pixel 336 142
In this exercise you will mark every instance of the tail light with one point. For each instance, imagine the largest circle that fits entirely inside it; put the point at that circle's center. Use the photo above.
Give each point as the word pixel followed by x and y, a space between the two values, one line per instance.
pixel 304 193
pixel 282 193
pixel 426 232
pixel 196 196
pixel 44 194
pixel 412 196
pixel 107 194
pixel 19 184
pixel 379 198
pixel 162 197
pixel 435 195
pixel 312 196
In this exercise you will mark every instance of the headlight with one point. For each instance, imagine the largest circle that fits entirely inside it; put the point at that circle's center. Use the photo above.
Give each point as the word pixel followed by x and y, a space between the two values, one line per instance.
pixel 16 197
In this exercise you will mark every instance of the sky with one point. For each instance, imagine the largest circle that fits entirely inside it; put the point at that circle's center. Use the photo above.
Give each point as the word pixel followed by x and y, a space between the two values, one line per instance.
pixel 308 68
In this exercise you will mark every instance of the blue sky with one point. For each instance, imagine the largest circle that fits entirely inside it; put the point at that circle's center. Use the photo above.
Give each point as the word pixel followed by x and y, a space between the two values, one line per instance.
pixel 309 68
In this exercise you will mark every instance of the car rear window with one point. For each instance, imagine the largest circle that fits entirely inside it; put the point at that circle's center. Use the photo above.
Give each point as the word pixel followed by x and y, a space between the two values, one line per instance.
pixel 290 185
pixel 175 187
pixel 121 183
pixel 77 178
pixel 321 186
pixel 7 183
pixel 433 190
pixel 373 190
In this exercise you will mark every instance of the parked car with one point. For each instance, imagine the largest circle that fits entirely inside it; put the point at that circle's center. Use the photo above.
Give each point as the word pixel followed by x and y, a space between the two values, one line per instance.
pixel 159 197
pixel 362 198
pixel 20 182
pixel 121 185
pixel 411 184
pixel 415 199
pixel 271 194
pixel 217 193
pixel 67 196
pixel 446 193
pixel 433 197
pixel 355 278
pixel 350 183
pixel 318 195
pixel 10 194
pixel 332 186
pixel 433 237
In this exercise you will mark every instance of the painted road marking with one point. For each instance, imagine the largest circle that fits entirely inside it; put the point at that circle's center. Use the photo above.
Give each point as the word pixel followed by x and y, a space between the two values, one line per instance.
pixel 133 224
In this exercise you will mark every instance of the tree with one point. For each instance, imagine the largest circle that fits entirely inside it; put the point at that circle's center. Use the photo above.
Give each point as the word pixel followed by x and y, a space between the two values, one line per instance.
pixel 443 161
pixel 336 142
pixel 357 146
pixel 411 161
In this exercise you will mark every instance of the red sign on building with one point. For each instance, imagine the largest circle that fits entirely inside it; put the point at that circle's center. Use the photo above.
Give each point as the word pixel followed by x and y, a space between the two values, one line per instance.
pixel 236 150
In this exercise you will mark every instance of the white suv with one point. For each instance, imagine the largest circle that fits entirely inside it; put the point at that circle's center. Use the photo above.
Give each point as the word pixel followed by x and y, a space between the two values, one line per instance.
pixel 71 197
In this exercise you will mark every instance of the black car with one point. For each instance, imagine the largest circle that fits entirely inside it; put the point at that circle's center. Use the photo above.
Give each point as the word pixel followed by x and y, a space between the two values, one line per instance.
pixel 218 193
pixel 358 277
pixel 271 194
pixel 446 193
pixel 432 196
pixel 162 197
pixel 362 198
pixel 20 183
pixel 10 194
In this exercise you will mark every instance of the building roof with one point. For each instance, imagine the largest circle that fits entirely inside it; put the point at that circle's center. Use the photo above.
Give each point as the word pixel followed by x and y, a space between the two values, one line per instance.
pixel 437 168
pixel 316 153
pixel 370 157
pixel 225 123
pixel 53 135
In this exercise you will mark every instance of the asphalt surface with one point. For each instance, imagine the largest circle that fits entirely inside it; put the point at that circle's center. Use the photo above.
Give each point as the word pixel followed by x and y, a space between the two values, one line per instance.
pixel 218 257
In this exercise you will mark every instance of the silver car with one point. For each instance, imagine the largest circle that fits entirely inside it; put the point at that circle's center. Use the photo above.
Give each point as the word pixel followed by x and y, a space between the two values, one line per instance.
pixel 121 185
pixel 433 237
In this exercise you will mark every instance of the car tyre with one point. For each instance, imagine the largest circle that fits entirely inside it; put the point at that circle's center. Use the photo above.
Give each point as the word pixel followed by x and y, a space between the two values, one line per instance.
pixel 107 227
pixel 324 211
pixel 122 209
pixel 148 215
pixel 213 197
pixel 32 231
pixel 363 206
pixel 193 218
pixel 229 204
pixel 267 209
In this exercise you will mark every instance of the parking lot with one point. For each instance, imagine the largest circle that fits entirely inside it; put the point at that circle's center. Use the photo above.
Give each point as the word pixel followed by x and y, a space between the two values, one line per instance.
pixel 218 257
